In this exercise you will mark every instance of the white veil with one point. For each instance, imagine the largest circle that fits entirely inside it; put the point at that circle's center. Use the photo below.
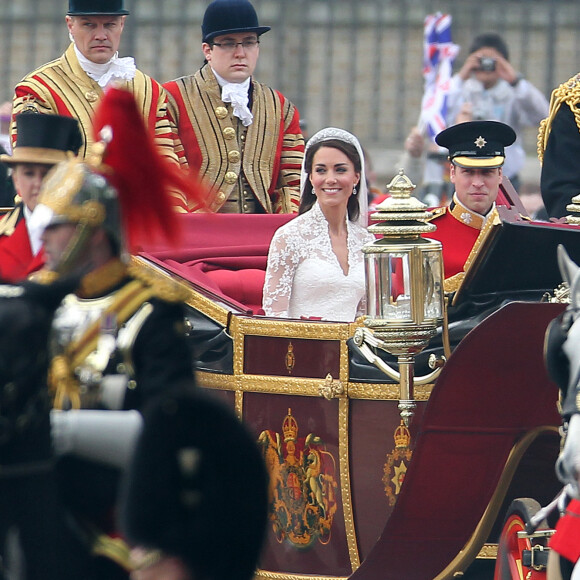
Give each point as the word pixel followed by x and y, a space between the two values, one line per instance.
pixel 342 135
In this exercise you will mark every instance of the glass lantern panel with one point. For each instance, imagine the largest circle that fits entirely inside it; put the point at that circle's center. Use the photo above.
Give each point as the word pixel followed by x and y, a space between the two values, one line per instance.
pixel 373 278
pixel 432 285
pixel 395 298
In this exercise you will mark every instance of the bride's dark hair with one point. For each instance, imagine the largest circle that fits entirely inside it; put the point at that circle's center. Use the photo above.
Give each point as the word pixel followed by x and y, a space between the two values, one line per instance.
pixel 308 198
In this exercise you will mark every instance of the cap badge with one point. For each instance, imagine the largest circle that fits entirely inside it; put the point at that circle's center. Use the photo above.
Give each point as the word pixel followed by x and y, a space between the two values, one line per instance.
pixel 480 142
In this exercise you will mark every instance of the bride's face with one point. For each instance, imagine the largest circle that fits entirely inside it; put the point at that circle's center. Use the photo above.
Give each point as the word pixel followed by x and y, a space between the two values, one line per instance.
pixel 333 177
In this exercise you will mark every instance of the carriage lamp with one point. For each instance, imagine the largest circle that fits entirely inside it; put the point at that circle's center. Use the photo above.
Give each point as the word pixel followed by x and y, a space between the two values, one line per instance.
pixel 404 289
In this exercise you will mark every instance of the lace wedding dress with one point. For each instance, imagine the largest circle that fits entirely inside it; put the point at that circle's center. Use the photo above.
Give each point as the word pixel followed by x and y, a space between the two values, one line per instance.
pixel 304 277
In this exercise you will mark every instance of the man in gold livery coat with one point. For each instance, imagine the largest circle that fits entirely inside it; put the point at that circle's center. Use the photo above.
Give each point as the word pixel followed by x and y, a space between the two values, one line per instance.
pixel 73 84
pixel 119 339
pixel 243 137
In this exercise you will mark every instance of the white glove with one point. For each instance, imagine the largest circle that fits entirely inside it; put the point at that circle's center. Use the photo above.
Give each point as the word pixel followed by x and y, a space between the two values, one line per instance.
pixel 103 436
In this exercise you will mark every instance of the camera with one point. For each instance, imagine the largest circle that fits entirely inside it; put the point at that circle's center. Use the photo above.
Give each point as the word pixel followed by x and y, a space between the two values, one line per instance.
pixel 487 63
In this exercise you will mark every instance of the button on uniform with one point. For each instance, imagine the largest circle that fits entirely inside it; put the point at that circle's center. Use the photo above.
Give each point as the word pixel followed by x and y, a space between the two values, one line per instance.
pixel 91 96
pixel 221 112
pixel 231 177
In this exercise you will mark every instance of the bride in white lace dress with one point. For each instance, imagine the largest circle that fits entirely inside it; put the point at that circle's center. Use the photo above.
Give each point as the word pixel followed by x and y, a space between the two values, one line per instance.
pixel 315 263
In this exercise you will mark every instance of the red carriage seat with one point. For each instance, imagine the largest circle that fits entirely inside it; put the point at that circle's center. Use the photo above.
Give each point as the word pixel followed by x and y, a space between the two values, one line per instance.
pixel 225 254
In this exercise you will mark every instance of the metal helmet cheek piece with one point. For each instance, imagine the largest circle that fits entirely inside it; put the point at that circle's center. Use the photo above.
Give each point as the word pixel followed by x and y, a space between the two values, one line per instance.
pixel 77 192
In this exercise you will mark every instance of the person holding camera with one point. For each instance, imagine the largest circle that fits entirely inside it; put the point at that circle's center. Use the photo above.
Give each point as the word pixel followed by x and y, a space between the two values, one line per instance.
pixel 488 88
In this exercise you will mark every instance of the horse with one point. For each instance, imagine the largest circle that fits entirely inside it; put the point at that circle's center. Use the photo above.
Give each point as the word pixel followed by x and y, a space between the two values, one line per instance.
pixel 562 356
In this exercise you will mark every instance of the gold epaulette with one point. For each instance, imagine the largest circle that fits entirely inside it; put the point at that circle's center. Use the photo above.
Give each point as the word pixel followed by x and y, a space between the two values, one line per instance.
pixel 43 276
pixel 437 212
pixel 569 93
pixel 9 221
pixel 161 285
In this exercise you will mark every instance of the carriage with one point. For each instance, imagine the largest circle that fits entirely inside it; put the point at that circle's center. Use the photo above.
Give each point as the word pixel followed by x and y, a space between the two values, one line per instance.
pixel 355 491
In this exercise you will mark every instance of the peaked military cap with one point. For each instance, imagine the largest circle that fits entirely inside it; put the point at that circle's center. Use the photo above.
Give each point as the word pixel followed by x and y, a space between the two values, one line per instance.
pixel 228 17
pixel 94 7
pixel 477 143
pixel 44 139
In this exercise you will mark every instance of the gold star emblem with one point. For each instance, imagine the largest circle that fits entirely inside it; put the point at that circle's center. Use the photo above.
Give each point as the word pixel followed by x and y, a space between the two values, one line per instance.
pixel 399 477
pixel 480 142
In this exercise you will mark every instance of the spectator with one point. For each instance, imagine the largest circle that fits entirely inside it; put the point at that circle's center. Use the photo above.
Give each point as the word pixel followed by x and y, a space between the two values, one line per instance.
pixel 487 87
pixel 425 164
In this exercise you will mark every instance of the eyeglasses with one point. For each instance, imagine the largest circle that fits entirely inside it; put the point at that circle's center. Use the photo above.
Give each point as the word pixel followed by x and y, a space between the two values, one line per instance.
pixel 231 46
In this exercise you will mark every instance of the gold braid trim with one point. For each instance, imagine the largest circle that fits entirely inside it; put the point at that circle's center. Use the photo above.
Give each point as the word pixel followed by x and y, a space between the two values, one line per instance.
pixel 9 221
pixel 115 549
pixel 61 374
pixel 569 93
pixel 63 383
pixel 161 285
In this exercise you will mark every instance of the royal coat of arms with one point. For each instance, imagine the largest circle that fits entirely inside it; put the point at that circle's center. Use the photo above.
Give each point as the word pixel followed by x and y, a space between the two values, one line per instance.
pixel 303 485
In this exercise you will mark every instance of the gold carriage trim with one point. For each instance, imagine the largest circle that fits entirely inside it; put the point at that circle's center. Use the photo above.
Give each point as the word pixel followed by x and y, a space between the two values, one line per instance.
pixel 265 575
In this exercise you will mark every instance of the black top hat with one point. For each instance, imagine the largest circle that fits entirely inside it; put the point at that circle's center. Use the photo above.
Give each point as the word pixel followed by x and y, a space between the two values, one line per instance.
pixel 44 139
pixel 228 17
pixel 477 143
pixel 94 7
pixel 196 469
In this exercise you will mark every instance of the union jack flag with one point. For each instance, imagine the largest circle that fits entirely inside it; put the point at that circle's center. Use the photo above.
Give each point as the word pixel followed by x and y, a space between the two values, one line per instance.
pixel 438 56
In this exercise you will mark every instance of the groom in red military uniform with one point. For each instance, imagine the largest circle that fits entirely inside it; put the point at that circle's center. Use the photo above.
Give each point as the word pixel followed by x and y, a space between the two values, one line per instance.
pixel 476 155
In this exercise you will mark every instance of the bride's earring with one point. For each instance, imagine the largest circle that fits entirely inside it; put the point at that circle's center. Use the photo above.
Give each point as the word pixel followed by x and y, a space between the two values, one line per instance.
pixel 354 190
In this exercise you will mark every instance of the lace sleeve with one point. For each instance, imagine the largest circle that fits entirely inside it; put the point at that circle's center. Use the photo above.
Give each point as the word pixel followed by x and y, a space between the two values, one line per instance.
pixel 282 263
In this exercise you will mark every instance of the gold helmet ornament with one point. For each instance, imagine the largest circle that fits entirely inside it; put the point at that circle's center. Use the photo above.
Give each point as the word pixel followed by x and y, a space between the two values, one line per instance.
pixel 123 186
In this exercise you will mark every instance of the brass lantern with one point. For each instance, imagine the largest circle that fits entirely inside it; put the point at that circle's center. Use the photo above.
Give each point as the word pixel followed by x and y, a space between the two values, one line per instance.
pixel 404 286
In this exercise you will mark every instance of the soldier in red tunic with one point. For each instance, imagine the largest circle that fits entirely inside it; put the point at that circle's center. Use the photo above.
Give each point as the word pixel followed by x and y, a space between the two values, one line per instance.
pixel 476 154
pixel 43 141
pixel 242 137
